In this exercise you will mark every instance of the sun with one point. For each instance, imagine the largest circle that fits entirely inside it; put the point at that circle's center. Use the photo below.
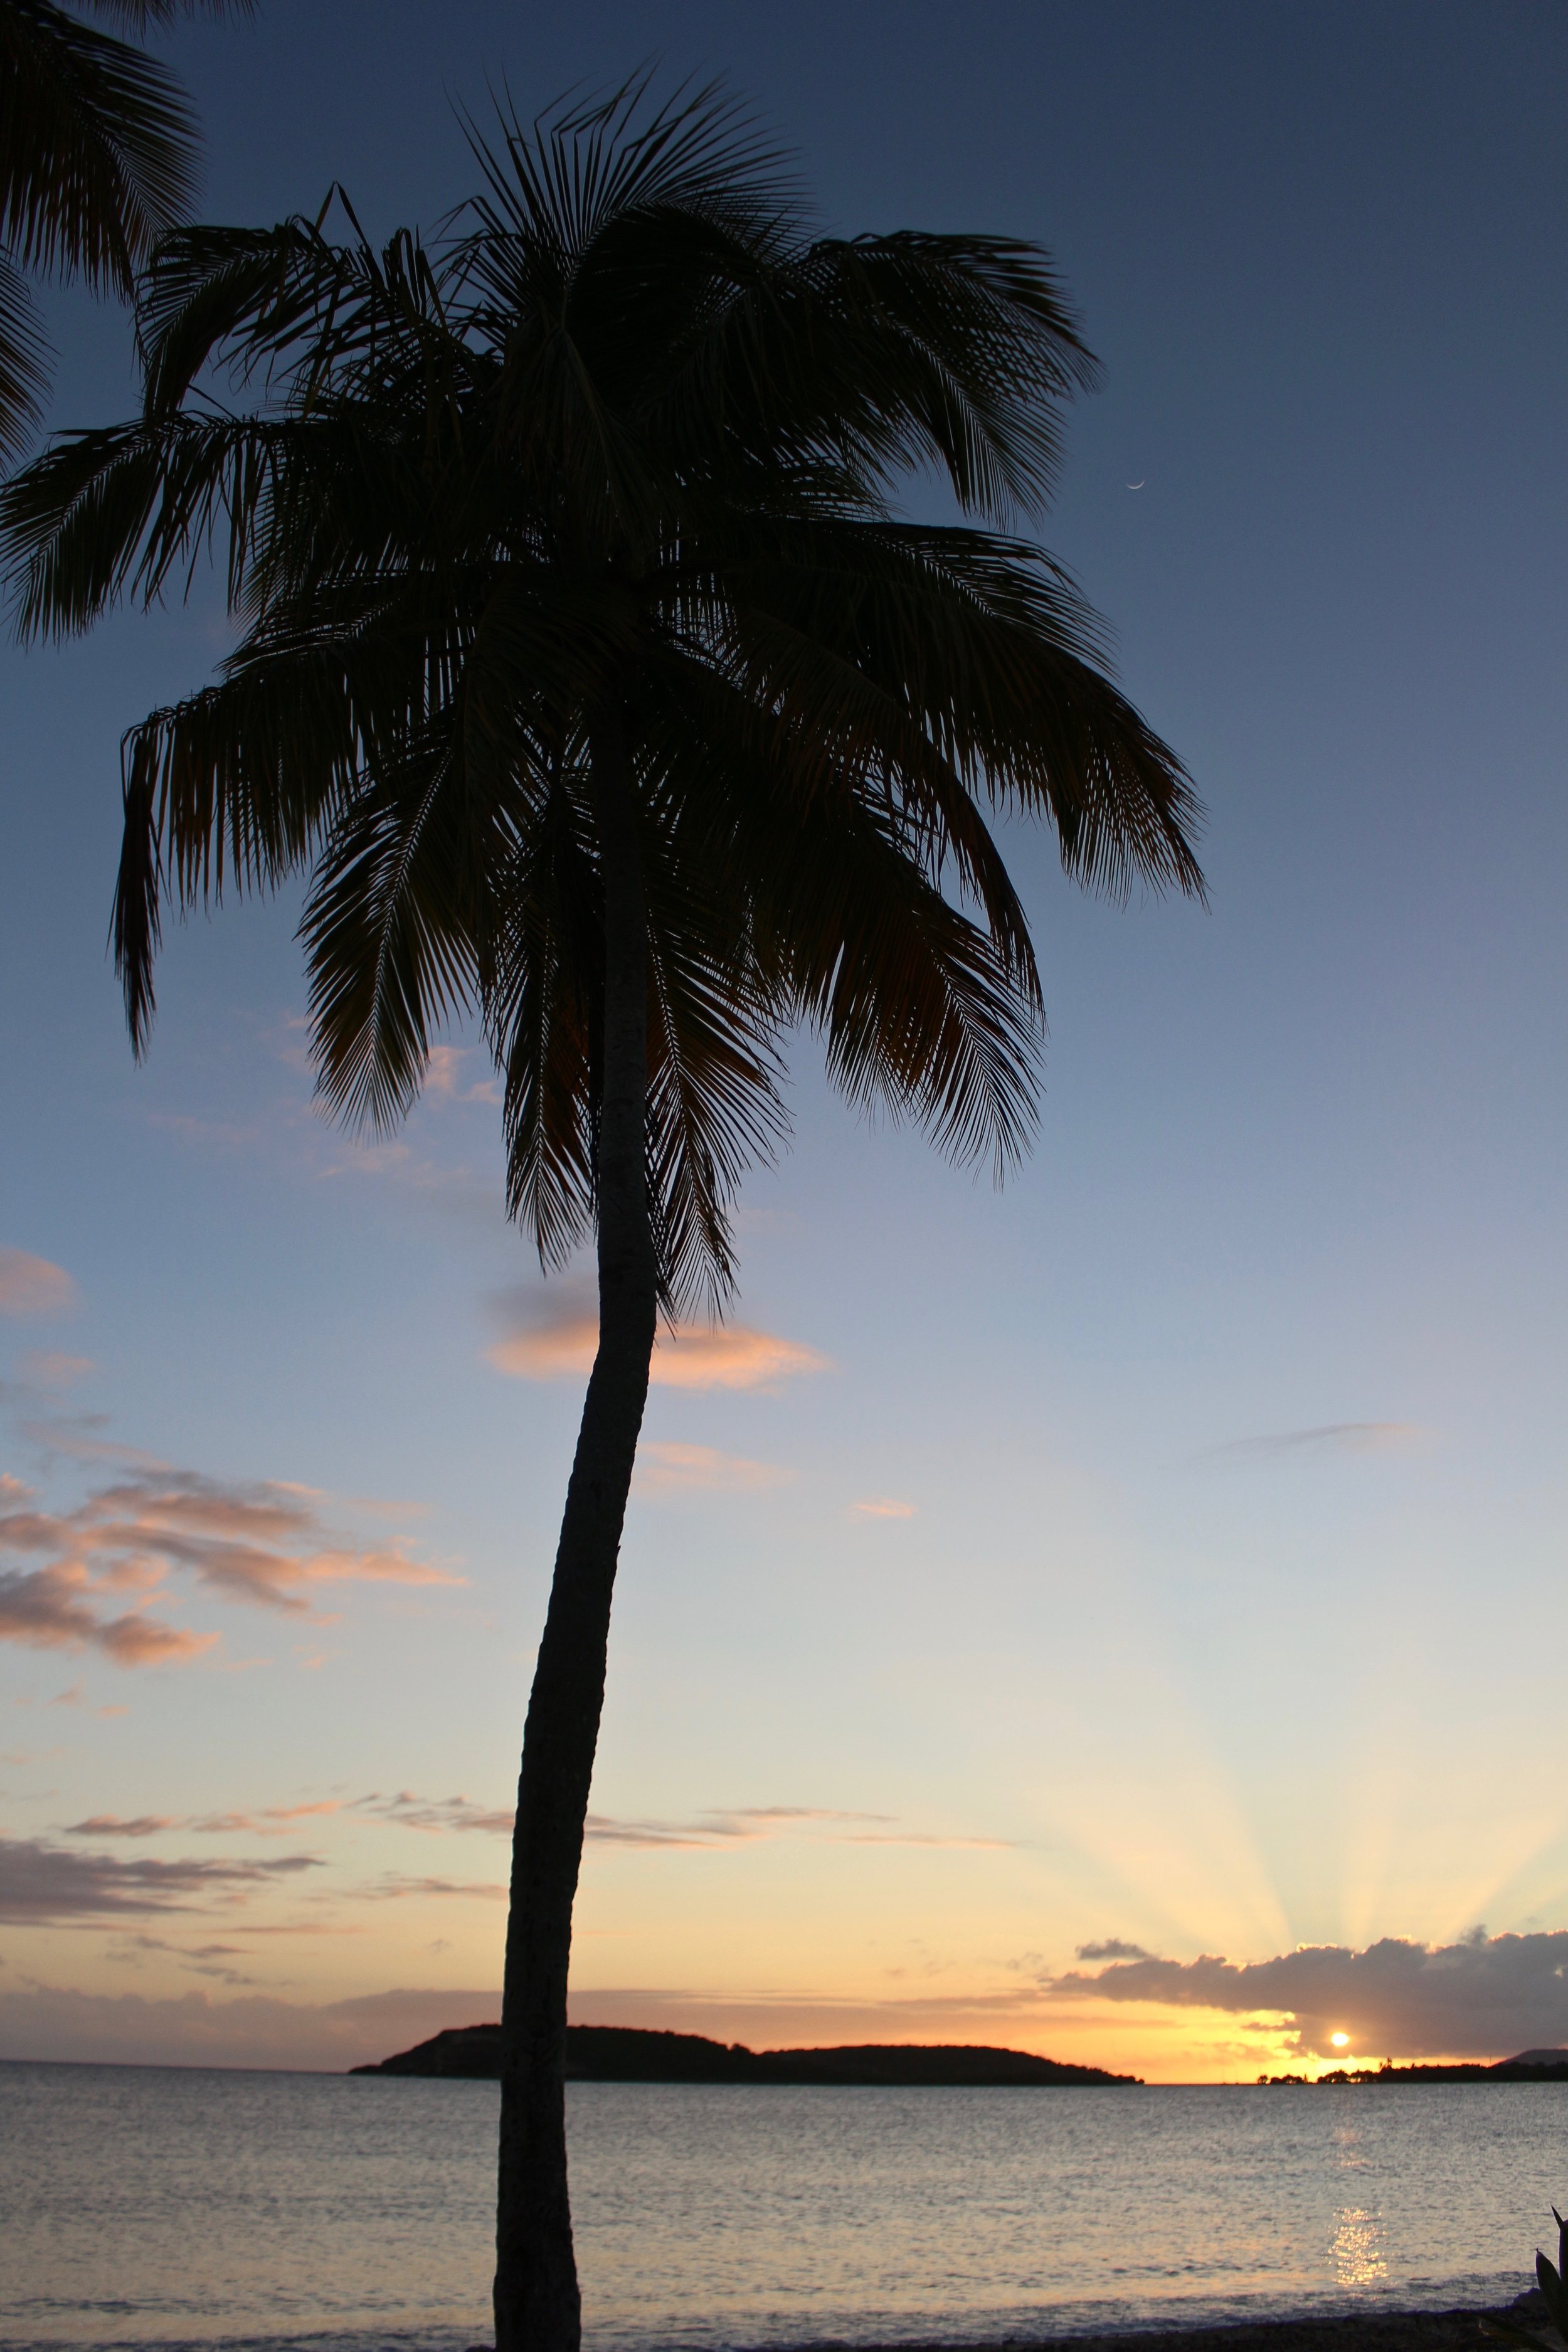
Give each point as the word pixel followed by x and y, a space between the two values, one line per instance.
pixel 1341 2041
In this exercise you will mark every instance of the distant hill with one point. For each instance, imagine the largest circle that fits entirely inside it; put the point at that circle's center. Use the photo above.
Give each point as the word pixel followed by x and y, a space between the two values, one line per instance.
pixel 625 2053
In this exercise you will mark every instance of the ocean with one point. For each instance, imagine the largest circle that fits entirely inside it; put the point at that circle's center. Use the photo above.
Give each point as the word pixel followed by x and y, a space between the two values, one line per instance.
pixel 148 2206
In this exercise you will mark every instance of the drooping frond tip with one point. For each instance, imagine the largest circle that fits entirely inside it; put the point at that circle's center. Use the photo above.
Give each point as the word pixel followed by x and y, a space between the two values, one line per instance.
pixel 137 926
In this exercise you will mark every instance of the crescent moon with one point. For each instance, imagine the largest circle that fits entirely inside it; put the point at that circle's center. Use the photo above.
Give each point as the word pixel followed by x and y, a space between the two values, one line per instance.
pixel 1137 486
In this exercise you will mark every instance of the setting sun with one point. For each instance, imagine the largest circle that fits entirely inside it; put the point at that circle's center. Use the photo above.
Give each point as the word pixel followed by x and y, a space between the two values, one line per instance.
pixel 1341 2041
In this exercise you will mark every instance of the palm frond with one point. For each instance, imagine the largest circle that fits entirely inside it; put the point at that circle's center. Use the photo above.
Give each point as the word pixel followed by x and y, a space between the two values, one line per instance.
pixel 97 146
pixel 24 362
pixel 144 17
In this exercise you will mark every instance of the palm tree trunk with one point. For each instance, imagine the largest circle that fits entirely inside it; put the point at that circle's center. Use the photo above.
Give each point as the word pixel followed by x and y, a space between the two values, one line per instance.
pixel 537 2304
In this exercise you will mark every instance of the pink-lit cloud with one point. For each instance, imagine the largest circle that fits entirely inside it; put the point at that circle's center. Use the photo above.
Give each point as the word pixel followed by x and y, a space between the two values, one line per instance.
pixel 31 1285
pixel 79 1437
pixel 444 1077
pixel 412 1813
pixel 273 1821
pixel 561 1346
pixel 259 1542
pixel 752 1824
pixel 674 1469
pixel 139 1825
pixel 717 1829
pixel 52 1607
pixel 881 1506
pixel 52 1370
pixel 396 1889
pixel 75 1697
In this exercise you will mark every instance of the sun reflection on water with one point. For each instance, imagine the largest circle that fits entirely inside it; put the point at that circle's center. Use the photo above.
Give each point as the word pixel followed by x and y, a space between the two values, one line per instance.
pixel 1358 2247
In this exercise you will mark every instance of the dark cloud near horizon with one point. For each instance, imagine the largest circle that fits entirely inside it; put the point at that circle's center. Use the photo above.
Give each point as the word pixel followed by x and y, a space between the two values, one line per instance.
pixel 1486 1997
pixel 1112 1948
pixel 47 1885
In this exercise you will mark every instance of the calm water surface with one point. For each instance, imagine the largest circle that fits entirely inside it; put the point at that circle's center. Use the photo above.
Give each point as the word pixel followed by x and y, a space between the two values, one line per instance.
pixel 150 2206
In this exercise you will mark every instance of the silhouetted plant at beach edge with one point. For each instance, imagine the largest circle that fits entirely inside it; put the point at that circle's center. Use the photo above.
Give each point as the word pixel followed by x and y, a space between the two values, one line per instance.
pixel 590 674
pixel 1550 2278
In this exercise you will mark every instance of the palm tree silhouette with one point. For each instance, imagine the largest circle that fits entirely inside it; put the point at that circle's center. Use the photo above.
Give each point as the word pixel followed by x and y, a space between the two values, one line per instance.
pixel 592 675
pixel 98 156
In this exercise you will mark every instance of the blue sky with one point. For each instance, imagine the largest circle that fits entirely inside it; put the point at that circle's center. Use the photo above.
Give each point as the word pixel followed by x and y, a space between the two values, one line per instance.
pixel 1219 1611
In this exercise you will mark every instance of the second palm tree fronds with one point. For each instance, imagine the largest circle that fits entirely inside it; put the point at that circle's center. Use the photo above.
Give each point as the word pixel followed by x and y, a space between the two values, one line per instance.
pixel 97 159
pixel 593 679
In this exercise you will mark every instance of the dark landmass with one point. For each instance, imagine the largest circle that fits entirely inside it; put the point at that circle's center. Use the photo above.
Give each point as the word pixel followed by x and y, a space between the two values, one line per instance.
pixel 625 2053
pixel 1531 2066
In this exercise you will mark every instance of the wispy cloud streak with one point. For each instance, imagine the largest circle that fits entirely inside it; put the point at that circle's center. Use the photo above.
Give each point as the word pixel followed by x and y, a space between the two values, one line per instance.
pixel 1330 1437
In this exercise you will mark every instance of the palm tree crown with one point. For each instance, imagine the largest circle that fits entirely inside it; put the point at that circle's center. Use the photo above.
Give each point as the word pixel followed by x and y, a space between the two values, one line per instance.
pixel 619 452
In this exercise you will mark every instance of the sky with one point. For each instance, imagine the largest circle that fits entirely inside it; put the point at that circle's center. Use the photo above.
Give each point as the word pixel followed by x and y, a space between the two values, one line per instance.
pixel 1119 1615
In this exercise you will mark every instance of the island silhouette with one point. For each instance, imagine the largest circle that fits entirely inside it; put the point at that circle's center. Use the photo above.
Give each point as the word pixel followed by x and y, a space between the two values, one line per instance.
pixel 626 2053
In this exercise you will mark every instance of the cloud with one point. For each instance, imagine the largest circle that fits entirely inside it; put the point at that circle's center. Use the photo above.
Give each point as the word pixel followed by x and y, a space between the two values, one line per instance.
pixel 882 1507
pixel 716 1829
pixel 693 1356
pixel 750 1824
pixel 142 1825
pixel 1332 1437
pixel 45 1608
pixel 273 1821
pixel 47 1885
pixel 670 1469
pixel 31 1285
pixel 1484 1995
pixel 394 1888
pixel 54 1370
pixel 434 1812
pixel 74 1698
pixel 729 1356
pixel 78 1437
pixel 1112 1948
pixel 261 1542
pixel 253 2030
pixel 740 1825
pixel 443 1070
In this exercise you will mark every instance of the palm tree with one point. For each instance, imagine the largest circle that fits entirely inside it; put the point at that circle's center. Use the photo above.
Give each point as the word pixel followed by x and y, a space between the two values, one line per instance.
pixel 592 675
pixel 98 154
